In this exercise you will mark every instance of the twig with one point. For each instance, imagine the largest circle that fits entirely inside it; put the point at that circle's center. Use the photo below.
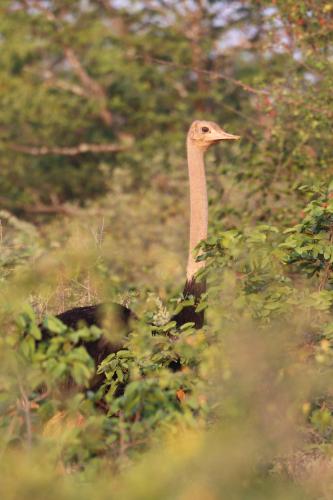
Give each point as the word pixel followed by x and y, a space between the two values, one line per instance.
pixel 26 410
pixel 9 433
pixel 328 265
pixel 122 436
pixel 91 85
pixel 65 209
pixel 67 151
pixel 214 74
pixel 40 208
pixel 52 81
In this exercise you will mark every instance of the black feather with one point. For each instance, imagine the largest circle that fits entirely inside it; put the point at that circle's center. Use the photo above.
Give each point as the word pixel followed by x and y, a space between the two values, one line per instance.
pixel 94 315
pixel 188 314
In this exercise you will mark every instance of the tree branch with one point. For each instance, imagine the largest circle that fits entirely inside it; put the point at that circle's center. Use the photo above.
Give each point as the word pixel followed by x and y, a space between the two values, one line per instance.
pixel 214 74
pixel 87 81
pixel 67 151
pixel 41 208
pixel 52 81
pixel 93 87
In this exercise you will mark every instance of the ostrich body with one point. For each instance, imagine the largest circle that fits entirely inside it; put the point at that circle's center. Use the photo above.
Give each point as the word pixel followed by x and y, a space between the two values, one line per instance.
pixel 201 136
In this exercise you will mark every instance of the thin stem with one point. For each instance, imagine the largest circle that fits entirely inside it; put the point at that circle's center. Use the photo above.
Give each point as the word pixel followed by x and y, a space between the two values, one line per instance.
pixel 25 403
pixel 328 265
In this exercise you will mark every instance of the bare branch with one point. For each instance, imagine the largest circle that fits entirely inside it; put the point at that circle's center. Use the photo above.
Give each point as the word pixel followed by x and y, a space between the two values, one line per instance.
pixel 93 87
pixel 214 74
pixel 67 151
pixel 86 80
pixel 41 208
pixel 64 209
pixel 52 81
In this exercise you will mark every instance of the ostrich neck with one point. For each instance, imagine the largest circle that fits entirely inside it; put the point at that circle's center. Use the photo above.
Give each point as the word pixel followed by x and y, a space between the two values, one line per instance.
pixel 198 205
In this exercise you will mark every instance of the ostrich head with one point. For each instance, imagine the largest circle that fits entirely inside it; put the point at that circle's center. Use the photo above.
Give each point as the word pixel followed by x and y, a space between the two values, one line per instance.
pixel 203 134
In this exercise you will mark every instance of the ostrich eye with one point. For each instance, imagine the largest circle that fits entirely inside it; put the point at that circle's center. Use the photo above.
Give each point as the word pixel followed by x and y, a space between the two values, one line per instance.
pixel 205 129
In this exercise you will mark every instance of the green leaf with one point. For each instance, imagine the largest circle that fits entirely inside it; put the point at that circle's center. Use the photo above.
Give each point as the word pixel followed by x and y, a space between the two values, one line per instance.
pixel 54 325
pixel 35 331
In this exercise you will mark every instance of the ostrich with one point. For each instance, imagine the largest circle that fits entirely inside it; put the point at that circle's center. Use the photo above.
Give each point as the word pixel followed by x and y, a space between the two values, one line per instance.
pixel 201 136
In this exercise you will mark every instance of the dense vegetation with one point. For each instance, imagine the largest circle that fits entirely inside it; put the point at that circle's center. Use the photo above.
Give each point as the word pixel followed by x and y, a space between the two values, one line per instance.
pixel 96 97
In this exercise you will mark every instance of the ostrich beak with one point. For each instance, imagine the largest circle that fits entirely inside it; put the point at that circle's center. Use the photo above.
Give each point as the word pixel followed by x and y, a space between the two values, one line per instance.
pixel 224 136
